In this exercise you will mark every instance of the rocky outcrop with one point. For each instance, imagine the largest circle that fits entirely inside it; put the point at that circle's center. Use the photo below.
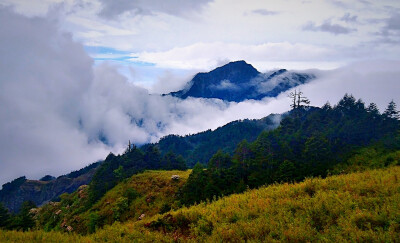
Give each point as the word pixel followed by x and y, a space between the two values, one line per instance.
pixel 175 177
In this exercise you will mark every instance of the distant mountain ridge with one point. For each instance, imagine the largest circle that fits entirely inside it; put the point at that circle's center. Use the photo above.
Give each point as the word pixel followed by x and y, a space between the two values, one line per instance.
pixel 194 148
pixel 238 81
pixel 200 147
pixel 14 193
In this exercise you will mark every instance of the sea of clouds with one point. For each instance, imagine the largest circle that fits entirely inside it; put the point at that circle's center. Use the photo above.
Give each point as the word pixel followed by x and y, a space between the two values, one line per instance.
pixel 59 111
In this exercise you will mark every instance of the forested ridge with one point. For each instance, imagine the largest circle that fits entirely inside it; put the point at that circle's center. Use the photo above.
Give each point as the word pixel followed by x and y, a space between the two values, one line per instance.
pixel 309 142
pixel 202 146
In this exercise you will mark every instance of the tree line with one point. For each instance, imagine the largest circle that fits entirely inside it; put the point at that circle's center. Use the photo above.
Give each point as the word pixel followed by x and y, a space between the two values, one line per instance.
pixel 310 141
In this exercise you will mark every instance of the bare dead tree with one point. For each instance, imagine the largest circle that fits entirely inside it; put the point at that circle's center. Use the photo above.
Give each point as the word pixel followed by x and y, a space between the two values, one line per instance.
pixel 293 97
pixel 302 101
pixel 298 100
pixel 129 146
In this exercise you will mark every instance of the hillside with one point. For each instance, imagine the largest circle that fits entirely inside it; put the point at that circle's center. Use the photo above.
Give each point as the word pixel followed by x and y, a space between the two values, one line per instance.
pixel 194 148
pixel 14 193
pixel 202 146
pixel 309 142
pixel 238 81
pixel 353 207
pixel 148 193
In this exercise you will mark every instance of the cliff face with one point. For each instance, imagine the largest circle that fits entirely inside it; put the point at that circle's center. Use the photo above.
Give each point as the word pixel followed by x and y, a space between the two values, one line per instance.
pixel 41 192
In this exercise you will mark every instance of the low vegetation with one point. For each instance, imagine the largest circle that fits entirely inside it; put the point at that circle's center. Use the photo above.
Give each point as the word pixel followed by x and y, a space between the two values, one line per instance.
pixel 140 196
pixel 362 206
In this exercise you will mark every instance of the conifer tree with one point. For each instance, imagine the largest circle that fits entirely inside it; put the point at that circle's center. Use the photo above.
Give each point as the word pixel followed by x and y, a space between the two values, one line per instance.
pixel 391 111
pixel 373 109
pixel 4 216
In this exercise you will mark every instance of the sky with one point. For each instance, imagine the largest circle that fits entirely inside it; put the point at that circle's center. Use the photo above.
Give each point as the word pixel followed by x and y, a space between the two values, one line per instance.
pixel 80 78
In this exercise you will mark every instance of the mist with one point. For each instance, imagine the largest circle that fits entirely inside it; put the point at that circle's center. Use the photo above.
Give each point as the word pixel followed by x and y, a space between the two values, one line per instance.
pixel 59 112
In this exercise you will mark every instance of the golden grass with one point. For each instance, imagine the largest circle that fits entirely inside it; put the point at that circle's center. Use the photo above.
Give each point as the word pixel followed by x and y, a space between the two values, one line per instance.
pixel 357 207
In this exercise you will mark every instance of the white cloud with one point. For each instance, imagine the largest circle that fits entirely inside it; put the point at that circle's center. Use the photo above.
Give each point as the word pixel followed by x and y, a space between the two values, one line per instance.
pixel 112 9
pixel 225 85
pixel 372 81
pixel 171 80
pixel 43 80
pixel 57 108
pixel 206 55
pixel 329 27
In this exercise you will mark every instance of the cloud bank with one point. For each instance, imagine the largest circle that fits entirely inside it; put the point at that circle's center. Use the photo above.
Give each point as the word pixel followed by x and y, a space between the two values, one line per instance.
pixel 208 55
pixel 112 9
pixel 327 26
pixel 60 112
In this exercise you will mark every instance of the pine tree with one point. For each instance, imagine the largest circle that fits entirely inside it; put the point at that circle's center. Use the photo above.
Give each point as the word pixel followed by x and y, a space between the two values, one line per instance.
pixel 4 216
pixel 24 219
pixel 327 106
pixel 152 157
pixel 391 111
pixel 220 160
pixel 286 171
pixel 373 109
pixel 347 103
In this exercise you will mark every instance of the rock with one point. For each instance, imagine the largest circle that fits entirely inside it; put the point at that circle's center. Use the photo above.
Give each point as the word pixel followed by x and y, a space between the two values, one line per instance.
pixel 149 198
pixel 141 216
pixel 82 191
pixel 64 223
pixel 34 211
pixel 175 177
pixel 54 204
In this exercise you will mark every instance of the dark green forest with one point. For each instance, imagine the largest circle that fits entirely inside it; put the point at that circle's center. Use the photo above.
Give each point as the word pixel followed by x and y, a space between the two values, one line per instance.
pixel 202 146
pixel 309 142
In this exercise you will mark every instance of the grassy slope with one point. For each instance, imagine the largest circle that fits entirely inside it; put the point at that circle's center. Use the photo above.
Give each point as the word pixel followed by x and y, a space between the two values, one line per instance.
pixel 354 207
pixel 153 191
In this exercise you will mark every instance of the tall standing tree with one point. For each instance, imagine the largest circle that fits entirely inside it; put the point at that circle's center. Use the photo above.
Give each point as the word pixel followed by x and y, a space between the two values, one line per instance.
pixel 298 100
pixel 4 216
pixel 302 101
pixel 293 97
pixel 391 111
pixel 24 219
pixel 373 109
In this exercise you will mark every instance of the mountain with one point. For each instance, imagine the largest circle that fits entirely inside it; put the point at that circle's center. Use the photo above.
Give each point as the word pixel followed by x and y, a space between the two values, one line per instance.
pixel 202 146
pixel 310 142
pixel 238 81
pixel 14 193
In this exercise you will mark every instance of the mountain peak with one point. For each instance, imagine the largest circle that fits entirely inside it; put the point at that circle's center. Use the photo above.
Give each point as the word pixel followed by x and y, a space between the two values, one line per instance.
pixel 240 63
pixel 238 68
pixel 238 81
